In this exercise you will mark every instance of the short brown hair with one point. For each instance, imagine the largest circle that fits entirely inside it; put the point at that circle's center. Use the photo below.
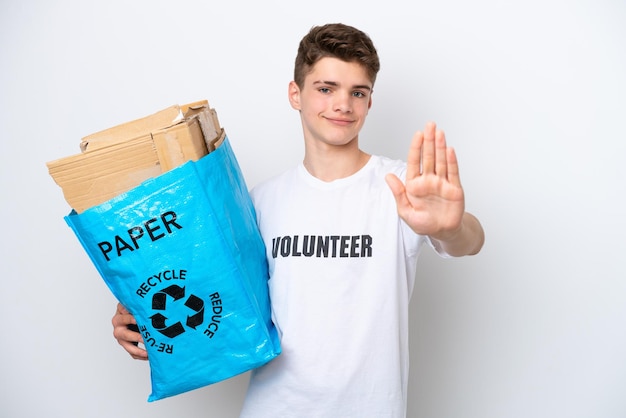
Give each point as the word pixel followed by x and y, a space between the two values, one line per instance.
pixel 335 40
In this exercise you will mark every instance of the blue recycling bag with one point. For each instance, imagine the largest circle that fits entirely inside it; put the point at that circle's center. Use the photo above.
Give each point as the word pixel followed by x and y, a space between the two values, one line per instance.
pixel 182 252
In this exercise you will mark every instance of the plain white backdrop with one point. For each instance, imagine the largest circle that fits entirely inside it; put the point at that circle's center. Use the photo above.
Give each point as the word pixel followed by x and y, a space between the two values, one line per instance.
pixel 531 94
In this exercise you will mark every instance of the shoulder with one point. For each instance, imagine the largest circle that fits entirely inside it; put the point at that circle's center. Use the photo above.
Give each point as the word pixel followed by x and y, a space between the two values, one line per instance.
pixel 268 188
pixel 384 165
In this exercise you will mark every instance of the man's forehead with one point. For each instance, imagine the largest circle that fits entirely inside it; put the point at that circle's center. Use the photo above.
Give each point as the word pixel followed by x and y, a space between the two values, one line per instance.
pixel 335 72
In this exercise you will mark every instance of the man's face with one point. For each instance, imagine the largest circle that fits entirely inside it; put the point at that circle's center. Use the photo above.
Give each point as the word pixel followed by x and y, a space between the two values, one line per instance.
pixel 333 102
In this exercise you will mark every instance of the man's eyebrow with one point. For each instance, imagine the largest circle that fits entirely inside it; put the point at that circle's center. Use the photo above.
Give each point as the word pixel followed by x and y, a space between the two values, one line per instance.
pixel 334 84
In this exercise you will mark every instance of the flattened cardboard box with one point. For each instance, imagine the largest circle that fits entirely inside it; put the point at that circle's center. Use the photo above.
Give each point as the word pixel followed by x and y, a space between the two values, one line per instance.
pixel 117 159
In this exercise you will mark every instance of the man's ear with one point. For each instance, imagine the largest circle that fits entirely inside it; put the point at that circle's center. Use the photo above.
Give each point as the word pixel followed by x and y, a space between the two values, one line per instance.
pixel 294 95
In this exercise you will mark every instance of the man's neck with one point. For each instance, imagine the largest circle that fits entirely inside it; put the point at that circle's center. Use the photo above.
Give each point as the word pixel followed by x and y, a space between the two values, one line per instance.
pixel 332 163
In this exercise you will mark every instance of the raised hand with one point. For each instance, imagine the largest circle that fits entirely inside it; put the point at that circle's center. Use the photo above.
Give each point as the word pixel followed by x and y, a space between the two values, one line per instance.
pixel 431 200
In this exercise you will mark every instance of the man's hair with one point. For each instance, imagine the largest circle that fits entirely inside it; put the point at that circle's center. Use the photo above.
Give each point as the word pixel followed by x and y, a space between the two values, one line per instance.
pixel 335 40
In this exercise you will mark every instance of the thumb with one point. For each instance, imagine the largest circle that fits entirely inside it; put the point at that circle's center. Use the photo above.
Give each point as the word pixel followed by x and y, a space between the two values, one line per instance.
pixel 398 190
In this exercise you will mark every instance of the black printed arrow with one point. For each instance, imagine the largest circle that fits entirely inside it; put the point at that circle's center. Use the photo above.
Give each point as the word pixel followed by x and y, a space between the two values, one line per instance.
pixel 197 305
pixel 158 322
pixel 159 298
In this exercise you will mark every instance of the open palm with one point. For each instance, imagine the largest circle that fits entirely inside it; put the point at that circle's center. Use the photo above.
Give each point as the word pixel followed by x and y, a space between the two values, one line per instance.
pixel 431 200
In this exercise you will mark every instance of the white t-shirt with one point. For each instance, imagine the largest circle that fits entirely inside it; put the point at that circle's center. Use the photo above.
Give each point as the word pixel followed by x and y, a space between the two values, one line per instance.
pixel 342 268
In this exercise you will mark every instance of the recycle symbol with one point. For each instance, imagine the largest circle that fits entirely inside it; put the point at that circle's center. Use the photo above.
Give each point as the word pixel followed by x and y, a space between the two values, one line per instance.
pixel 176 293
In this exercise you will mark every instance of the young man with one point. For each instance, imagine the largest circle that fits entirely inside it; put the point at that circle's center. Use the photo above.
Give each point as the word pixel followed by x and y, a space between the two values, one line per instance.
pixel 342 234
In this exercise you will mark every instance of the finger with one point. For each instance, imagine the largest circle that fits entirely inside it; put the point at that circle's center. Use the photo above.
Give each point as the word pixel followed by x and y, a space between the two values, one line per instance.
pixel 121 309
pixel 441 155
pixel 128 333
pixel 399 192
pixel 121 319
pixel 428 149
pixel 135 352
pixel 395 184
pixel 414 159
pixel 131 341
pixel 453 167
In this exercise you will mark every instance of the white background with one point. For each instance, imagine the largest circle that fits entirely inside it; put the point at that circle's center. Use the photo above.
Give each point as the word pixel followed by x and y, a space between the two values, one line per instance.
pixel 531 94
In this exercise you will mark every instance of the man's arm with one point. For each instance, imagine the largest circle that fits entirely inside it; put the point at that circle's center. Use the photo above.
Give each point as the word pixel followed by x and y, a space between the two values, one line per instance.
pixel 467 241
pixel 431 200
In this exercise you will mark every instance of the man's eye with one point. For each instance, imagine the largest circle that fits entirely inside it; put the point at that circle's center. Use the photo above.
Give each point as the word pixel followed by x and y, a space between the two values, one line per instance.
pixel 358 94
pixel 324 90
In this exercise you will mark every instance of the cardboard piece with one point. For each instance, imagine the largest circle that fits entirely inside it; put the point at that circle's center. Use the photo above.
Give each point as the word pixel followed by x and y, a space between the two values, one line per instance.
pixel 120 158
pixel 143 126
